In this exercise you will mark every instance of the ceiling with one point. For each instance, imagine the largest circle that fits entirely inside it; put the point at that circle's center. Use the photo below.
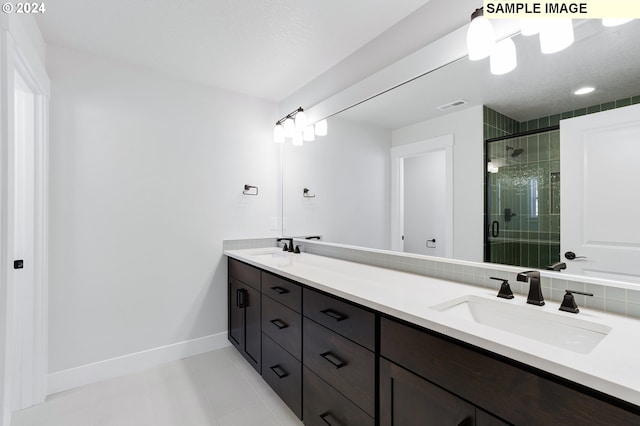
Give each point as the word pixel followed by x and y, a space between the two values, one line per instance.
pixel 263 48
pixel 541 85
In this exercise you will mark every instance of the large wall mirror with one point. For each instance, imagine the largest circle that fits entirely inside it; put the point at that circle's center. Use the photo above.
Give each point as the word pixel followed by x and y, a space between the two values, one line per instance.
pixel 433 166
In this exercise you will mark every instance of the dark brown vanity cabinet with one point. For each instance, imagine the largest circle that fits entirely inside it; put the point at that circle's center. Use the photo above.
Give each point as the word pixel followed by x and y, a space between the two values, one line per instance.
pixel 282 339
pixel 339 371
pixel 244 311
pixel 337 363
pixel 449 378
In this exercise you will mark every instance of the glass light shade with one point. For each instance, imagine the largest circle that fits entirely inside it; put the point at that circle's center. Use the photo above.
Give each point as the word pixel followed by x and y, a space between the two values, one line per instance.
pixel 480 38
pixel 555 35
pixel 309 134
pixel 529 27
pixel 301 121
pixel 297 139
pixel 615 22
pixel 321 128
pixel 278 133
pixel 289 128
pixel 503 58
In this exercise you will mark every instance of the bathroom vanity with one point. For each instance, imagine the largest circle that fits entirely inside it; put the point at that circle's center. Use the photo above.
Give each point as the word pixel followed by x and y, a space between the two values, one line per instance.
pixel 349 344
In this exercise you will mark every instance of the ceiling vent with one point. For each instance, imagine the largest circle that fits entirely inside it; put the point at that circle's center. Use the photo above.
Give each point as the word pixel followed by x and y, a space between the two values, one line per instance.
pixel 452 105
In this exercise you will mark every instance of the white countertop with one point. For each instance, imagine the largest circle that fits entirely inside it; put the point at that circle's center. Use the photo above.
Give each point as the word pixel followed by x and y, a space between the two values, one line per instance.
pixel 612 367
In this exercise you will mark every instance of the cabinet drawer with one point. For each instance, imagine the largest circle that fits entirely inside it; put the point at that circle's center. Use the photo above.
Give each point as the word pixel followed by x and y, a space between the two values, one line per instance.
pixel 324 406
pixel 345 365
pixel 283 373
pixel 286 292
pixel 487 381
pixel 344 318
pixel 245 273
pixel 283 325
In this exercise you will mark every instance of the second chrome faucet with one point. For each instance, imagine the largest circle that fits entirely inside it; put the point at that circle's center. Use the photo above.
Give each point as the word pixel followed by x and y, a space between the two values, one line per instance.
pixel 535 290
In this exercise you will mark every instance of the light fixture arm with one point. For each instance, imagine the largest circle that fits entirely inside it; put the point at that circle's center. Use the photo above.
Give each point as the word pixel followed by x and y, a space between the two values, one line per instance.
pixel 292 114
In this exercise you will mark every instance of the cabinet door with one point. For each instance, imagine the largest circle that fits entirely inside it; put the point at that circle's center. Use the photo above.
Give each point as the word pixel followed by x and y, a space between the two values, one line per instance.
pixel 407 399
pixel 236 314
pixel 252 329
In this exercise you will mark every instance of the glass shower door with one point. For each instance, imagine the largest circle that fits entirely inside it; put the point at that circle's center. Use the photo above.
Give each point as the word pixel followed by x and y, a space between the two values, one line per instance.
pixel 522 200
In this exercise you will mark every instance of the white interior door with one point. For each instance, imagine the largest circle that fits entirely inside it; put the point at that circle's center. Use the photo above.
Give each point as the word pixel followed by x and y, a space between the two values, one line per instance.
pixel 425 204
pixel 440 181
pixel 600 187
pixel 22 354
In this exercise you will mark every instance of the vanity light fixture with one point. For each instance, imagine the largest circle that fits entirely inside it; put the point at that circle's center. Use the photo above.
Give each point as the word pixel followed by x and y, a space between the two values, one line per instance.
pixel 503 59
pixel 529 27
pixel 294 126
pixel 555 35
pixel 584 90
pixel 480 36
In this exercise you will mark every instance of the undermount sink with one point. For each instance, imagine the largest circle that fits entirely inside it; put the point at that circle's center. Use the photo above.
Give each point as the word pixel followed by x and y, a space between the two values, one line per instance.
pixel 559 330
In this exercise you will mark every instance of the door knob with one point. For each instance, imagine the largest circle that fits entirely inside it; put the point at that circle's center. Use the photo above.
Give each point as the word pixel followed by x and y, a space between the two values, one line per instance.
pixel 571 256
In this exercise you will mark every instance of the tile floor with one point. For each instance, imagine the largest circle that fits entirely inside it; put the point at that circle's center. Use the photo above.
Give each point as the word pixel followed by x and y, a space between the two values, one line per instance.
pixel 218 388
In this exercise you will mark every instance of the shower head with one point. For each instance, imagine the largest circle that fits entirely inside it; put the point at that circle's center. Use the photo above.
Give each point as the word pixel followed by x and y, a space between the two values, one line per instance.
pixel 516 151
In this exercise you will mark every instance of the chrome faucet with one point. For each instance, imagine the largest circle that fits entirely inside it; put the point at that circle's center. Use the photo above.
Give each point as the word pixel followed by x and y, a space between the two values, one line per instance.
pixel 535 291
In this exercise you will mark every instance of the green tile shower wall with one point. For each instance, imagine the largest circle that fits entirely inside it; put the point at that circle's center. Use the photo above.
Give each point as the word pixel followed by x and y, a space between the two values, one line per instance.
pixel 554 120
pixel 526 239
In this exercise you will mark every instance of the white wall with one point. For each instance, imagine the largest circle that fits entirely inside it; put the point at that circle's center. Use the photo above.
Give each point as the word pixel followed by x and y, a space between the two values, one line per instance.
pixel 349 172
pixel 468 201
pixel 146 182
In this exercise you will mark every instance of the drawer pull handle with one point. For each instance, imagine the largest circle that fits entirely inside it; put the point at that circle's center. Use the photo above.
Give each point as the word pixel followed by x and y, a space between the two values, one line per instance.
pixel 334 314
pixel 329 419
pixel 241 298
pixel 279 323
pixel 280 290
pixel 337 362
pixel 278 371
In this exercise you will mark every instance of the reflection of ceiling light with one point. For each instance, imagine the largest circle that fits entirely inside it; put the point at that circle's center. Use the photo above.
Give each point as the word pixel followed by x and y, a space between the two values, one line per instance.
pixel 503 58
pixel 491 168
pixel 480 38
pixel 615 22
pixel 555 35
pixel 584 90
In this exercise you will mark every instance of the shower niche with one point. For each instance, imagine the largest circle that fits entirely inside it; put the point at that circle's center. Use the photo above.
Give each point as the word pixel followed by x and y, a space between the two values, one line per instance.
pixel 522 193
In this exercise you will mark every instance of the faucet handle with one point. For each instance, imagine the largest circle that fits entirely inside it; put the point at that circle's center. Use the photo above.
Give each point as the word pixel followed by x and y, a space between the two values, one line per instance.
pixel 569 302
pixel 505 290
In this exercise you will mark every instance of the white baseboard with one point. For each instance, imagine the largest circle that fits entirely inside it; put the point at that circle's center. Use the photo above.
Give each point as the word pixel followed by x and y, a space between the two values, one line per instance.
pixel 131 363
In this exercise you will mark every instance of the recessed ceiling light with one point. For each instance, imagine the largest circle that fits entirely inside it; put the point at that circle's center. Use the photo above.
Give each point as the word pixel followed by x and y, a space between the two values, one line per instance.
pixel 584 90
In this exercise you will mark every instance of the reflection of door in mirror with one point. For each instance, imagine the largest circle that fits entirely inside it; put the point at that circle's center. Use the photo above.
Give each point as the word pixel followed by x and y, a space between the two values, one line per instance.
pixel 600 187
pixel 422 197
pixel 424 184
pixel 522 221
